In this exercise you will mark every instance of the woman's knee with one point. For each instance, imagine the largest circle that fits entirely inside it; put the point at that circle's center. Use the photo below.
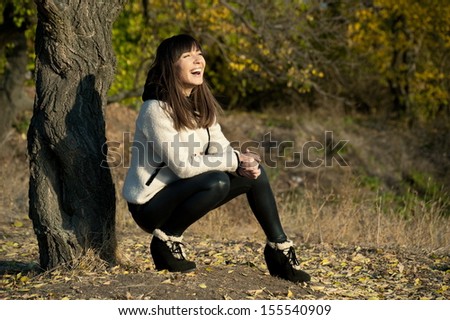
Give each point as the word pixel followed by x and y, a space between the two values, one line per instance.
pixel 217 181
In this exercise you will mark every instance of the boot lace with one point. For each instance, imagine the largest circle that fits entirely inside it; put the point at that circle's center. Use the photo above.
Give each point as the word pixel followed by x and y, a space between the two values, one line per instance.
pixel 292 258
pixel 177 249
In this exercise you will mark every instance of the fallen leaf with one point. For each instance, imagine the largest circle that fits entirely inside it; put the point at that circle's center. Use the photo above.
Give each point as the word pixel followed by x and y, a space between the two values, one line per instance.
pixel 290 294
pixel 357 269
pixel 317 288
pixel 255 292
pixel 18 224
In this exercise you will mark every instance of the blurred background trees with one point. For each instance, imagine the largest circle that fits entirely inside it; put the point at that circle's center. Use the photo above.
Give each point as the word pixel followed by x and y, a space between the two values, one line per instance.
pixel 17 20
pixel 382 57
pixel 376 56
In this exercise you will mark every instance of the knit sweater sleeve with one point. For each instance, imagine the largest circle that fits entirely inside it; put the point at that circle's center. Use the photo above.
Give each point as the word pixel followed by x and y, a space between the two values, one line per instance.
pixel 181 151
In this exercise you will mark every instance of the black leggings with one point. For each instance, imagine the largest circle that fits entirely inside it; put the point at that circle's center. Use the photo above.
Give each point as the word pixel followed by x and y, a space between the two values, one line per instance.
pixel 183 202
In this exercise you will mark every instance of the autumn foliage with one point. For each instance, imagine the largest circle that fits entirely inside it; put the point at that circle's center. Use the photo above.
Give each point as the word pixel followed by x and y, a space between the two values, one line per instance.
pixel 380 56
pixel 383 55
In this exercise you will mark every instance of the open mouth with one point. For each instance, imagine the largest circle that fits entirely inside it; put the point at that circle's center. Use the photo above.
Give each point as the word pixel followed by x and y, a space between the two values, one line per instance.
pixel 196 72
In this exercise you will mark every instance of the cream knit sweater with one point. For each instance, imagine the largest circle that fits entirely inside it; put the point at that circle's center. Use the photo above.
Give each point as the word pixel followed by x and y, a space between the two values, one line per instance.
pixel 161 155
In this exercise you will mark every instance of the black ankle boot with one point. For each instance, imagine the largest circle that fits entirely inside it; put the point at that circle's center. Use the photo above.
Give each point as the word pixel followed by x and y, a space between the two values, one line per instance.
pixel 167 253
pixel 282 262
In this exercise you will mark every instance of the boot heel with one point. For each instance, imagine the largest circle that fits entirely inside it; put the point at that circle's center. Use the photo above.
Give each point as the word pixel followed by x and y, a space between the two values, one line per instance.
pixel 168 254
pixel 282 262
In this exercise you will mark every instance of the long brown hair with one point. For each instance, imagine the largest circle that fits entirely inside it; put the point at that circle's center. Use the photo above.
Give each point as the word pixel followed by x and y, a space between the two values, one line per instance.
pixel 200 109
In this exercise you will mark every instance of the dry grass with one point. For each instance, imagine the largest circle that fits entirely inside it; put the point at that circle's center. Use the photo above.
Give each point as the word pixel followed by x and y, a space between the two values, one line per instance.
pixel 352 216
pixel 331 205
pixel 367 203
pixel 333 214
pixel 335 204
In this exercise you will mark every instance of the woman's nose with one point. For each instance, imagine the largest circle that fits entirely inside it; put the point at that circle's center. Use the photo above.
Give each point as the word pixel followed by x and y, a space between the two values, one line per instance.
pixel 198 58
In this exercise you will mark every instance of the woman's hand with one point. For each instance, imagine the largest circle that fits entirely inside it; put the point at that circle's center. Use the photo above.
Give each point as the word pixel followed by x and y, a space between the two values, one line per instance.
pixel 249 159
pixel 249 165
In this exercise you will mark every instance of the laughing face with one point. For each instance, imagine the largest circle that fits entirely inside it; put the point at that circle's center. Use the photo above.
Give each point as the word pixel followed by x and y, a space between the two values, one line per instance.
pixel 191 66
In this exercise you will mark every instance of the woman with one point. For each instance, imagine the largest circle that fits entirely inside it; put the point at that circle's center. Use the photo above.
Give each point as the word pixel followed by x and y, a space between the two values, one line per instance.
pixel 182 166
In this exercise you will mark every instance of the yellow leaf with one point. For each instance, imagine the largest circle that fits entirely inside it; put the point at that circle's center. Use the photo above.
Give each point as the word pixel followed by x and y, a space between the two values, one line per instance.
pixel 255 292
pixel 317 288
pixel 290 294
pixel 18 224
pixel 325 262
pixel 443 289
pixel 357 268
pixel 24 279
pixel 202 285
pixel 363 279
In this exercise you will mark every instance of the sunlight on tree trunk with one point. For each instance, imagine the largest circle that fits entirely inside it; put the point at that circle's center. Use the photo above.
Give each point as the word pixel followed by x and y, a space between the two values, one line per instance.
pixel 72 198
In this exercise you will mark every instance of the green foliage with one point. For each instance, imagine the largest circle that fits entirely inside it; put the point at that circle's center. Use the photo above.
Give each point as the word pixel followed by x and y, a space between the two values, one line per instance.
pixel 390 55
pixel 250 48
pixel 24 16
pixel 135 36
pixel 22 123
pixel 24 10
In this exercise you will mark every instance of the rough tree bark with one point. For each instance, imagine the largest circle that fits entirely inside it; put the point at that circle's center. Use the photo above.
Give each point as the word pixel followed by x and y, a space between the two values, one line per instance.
pixel 13 97
pixel 71 196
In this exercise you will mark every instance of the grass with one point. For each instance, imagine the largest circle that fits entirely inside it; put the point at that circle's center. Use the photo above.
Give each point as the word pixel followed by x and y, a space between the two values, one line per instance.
pixel 352 216
pixel 335 216
pixel 330 205
pixel 368 203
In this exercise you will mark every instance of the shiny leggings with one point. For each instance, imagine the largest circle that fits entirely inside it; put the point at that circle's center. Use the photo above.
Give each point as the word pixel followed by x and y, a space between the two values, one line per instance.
pixel 183 202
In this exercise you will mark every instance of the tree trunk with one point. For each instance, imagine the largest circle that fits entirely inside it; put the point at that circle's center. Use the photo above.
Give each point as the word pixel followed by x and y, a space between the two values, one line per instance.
pixel 13 97
pixel 71 195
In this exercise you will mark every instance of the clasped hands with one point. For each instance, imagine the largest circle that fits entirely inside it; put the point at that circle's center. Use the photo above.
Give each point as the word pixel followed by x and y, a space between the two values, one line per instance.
pixel 249 164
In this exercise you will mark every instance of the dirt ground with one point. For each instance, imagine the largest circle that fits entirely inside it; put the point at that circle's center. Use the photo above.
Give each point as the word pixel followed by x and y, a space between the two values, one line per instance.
pixel 226 268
